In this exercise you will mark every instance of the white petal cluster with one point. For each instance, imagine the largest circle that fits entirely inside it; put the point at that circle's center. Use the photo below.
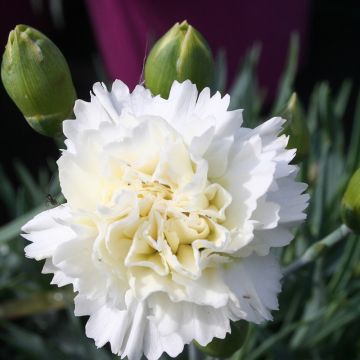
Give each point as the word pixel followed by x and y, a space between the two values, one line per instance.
pixel 172 208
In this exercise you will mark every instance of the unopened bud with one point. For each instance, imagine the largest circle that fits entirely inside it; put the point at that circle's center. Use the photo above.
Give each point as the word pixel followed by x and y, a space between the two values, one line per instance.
pixel 296 128
pixel 350 206
pixel 37 78
pixel 181 54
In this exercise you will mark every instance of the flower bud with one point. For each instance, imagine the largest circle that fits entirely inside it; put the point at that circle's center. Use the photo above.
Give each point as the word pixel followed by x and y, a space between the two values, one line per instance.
pixel 224 348
pixel 350 206
pixel 181 54
pixel 296 128
pixel 37 78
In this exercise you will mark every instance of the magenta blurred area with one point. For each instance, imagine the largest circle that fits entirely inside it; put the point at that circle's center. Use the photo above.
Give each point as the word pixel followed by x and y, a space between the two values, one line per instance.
pixel 18 12
pixel 125 27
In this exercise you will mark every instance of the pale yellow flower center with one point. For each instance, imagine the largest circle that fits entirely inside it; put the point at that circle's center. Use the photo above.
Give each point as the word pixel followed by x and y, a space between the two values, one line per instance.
pixel 157 224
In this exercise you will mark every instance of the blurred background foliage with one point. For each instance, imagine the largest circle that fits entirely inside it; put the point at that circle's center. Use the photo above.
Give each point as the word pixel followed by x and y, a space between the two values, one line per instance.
pixel 319 315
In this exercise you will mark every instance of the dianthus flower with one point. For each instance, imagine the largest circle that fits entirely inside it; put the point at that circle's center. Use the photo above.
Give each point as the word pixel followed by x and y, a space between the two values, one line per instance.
pixel 171 210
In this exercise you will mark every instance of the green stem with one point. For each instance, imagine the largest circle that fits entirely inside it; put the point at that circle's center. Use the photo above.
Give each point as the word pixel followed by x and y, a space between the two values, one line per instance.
pixel 36 304
pixel 318 249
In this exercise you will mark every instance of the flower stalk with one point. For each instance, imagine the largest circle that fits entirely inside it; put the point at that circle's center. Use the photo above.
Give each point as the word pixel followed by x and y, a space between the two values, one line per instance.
pixel 36 304
pixel 318 249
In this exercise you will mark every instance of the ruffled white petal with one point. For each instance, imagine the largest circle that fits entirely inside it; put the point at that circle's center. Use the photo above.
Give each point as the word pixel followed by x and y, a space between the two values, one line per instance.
pixel 59 278
pixel 172 210
pixel 255 281
pixel 291 199
pixel 47 231
pixel 247 178
pixel 188 320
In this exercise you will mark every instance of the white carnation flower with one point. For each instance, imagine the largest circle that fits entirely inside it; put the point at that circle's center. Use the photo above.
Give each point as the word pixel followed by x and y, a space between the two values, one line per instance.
pixel 172 208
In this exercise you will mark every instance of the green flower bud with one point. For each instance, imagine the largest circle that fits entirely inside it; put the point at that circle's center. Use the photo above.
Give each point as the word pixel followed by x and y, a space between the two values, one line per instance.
pixel 37 78
pixel 224 348
pixel 181 54
pixel 296 128
pixel 350 206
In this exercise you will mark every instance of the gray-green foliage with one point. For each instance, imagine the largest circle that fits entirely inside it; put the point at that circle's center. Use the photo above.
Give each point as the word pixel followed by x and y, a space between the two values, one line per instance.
pixel 319 305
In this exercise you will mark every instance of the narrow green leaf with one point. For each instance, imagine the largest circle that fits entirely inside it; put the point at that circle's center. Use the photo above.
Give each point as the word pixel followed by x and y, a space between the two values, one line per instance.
pixel 342 100
pixel 7 192
pixel 220 78
pixel 35 192
pixel 32 345
pixel 245 93
pixel 13 228
pixel 285 88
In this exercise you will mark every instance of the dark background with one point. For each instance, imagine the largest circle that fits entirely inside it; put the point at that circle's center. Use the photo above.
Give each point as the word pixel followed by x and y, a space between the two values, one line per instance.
pixel 332 53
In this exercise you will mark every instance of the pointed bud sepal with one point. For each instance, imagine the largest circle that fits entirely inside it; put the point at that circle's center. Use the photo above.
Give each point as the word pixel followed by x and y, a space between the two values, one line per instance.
pixel 296 128
pixel 36 76
pixel 181 54
pixel 350 206
pixel 224 348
